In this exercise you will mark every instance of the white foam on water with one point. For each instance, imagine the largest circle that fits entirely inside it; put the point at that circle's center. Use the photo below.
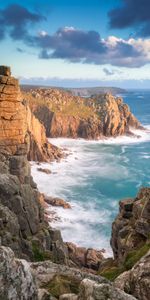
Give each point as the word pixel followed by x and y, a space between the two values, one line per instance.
pixel 84 223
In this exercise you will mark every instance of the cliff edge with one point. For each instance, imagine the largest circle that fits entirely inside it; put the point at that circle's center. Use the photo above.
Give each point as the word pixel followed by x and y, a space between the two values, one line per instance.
pixel 65 115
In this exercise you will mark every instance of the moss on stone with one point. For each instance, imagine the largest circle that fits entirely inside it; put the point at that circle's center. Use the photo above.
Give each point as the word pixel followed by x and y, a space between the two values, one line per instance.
pixel 60 285
pixel 112 272
pixel 38 254
pixel 135 255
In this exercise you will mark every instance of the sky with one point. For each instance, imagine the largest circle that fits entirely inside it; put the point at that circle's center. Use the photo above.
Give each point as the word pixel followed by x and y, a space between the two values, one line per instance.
pixel 77 43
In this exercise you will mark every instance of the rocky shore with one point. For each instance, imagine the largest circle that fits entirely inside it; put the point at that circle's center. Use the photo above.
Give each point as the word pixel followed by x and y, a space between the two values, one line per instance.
pixel 35 263
pixel 65 115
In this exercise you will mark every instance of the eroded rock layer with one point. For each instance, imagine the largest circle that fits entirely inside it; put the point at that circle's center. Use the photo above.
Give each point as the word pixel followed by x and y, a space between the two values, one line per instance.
pixel 20 131
pixel 22 223
pixel 64 115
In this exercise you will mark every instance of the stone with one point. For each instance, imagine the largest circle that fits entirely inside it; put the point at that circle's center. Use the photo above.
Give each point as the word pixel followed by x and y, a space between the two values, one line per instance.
pixel 46 171
pixel 44 295
pixel 55 201
pixel 68 297
pixel 87 258
pixel 90 290
pixel 131 228
pixel 5 71
pixel 137 280
pixel 16 279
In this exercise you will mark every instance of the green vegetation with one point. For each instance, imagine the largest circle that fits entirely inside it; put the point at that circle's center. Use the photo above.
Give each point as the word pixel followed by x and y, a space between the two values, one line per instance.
pixel 38 254
pixel 112 273
pixel 131 259
pixel 61 284
pixel 61 104
pixel 133 256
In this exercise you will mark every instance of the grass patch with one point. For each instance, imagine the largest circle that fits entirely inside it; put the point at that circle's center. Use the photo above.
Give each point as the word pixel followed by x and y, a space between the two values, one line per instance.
pixel 38 254
pixel 112 272
pixel 60 285
pixel 135 255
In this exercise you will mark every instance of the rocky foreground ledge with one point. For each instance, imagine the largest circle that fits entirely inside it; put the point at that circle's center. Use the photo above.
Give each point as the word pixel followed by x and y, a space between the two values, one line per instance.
pixel 35 263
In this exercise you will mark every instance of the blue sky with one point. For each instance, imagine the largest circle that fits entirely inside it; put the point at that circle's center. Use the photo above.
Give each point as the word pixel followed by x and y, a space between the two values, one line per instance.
pixel 77 43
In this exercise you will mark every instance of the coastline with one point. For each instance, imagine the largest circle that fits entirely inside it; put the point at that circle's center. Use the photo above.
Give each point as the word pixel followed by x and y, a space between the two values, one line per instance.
pixel 68 218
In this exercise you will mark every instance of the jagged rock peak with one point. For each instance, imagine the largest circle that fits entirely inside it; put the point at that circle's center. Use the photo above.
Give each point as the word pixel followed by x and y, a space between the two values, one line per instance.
pixel 5 71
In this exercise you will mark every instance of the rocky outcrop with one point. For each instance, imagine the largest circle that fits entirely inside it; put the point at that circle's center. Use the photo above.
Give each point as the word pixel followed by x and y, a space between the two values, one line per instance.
pixel 21 132
pixel 73 284
pixel 91 290
pixel 137 280
pixel 23 226
pixel 131 228
pixel 16 280
pixel 40 149
pixel 57 202
pixel 85 258
pixel 64 115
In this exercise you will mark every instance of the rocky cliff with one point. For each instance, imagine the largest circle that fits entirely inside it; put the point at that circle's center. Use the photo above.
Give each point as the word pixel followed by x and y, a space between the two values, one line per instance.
pixel 131 228
pixel 130 243
pixel 64 115
pixel 19 127
pixel 22 224
pixel 34 261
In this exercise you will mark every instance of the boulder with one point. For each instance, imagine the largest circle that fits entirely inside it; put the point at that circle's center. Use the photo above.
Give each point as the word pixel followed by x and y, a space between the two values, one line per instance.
pixel 103 291
pixel 137 280
pixel 57 202
pixel 16 279
pixel 46 171
pixel 87 258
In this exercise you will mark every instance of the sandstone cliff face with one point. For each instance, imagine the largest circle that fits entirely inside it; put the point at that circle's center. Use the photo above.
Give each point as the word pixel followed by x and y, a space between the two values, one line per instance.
pixel 39 148
pixel 64 115
pixel 20 131
pixel 21 216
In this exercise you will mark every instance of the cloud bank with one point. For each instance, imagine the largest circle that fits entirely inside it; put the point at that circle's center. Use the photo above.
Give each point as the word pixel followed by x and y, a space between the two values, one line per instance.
pixel 76 45
pixel 134 14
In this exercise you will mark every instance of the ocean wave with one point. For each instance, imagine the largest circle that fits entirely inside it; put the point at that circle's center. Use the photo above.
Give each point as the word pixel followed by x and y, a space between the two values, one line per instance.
pixel 90 178
pixel 139 136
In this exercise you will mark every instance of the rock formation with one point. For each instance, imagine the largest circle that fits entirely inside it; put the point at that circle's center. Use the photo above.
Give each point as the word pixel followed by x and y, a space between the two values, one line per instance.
pixel 64 115
pixel 26 236
pixel 131 228
pixel 40 149
pixel 16 279
pixel 85 258
pixel 137 280
pixel 23 227
pixel 19 127
pixel 69 283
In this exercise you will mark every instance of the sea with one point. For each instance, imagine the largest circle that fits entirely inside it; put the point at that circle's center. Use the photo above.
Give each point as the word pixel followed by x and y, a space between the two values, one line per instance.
pixel 95 176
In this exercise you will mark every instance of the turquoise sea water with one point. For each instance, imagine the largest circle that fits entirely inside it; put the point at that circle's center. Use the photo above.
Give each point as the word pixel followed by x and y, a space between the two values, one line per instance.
pixel 96 176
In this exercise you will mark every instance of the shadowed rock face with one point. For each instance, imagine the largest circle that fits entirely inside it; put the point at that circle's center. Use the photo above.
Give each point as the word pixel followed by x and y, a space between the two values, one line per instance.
pixel 131 228
pixel 64 115
pixel 137 280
